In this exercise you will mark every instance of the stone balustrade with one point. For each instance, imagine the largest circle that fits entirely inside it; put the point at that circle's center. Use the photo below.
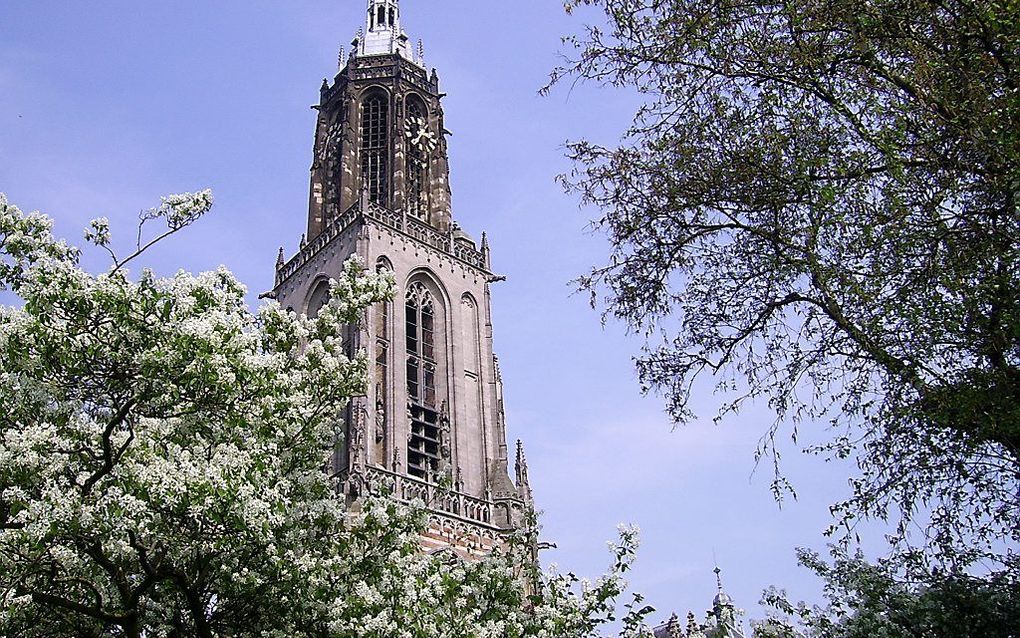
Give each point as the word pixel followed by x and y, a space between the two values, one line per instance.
pixel 462 249
pixel 406 488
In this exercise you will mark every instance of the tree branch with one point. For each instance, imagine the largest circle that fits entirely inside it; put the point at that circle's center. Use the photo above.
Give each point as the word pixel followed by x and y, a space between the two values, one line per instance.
pixel 111 456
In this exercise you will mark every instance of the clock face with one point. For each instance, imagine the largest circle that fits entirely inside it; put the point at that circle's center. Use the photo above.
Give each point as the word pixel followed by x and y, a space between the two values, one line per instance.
pixel 416 128
pixel 330 143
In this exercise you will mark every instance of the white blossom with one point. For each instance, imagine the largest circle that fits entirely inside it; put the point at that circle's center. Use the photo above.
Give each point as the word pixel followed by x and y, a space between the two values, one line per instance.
pixel 161 468
pixel 98 232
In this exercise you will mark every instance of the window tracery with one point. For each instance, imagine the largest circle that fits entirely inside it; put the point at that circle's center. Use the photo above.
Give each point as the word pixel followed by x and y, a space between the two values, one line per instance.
pixel 425 444
pixel 375 147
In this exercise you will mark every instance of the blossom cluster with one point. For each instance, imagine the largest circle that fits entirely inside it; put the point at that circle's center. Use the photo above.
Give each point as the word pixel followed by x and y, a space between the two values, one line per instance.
pixel 162 455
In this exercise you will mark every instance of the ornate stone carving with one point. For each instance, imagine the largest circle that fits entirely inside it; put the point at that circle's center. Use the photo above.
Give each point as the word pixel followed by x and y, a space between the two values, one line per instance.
pixel 380 415
pixel 358 435
pixel 445 433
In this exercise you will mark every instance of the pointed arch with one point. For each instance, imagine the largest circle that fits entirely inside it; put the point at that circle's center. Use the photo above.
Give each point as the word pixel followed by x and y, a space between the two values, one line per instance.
pixel 471 335
pixel 374 144
pixel 420 315
pixel 383 329
pixel 318 296
pixel 426 321
pixel 384 309
pixel 471 433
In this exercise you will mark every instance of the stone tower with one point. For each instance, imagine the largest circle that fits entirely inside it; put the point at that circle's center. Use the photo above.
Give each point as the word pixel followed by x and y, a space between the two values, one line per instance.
pixel 723 620
pixel 432 424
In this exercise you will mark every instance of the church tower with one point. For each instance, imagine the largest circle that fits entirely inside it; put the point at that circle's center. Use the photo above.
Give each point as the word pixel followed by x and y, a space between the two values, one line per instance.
pixel 432 424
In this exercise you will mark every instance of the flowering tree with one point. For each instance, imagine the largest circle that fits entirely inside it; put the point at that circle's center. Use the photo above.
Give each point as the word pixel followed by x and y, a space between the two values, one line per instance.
pixel 161 467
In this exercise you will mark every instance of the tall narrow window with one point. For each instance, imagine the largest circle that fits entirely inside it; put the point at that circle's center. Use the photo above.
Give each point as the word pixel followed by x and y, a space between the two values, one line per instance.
pixel 417 125
pixel 319 298
pixel 382 367
pixel 382 353
pixel 424 443
pixel 374 143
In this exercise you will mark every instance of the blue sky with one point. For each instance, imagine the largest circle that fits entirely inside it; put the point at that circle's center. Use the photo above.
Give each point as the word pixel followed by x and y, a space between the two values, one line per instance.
pixel 105 106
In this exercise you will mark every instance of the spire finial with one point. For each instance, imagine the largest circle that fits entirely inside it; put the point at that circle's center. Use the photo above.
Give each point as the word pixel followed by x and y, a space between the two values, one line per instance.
pixel 486 254
pixel 522 462
pixel 521 467
pixel 718 578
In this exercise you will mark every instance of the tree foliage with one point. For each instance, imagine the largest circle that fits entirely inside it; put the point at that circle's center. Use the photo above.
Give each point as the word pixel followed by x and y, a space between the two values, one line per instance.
pixel 162 455
pixel 885 601
pixel 816 206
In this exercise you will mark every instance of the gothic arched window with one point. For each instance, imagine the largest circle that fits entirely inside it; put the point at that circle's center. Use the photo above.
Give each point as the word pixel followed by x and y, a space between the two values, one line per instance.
pixel 425 445
pixel 374 146
pixel 382 366
pixel 318 299
pixel 421 353
pixel 417 203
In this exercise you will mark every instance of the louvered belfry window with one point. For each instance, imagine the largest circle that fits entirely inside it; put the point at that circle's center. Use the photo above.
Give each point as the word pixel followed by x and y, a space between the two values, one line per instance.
pixel 423 446
pixel 374 147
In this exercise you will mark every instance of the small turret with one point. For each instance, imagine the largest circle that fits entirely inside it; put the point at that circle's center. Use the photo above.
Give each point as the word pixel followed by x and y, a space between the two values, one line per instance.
pixel 521 467
pixel 721 597
pixel 486 257
pixel 692 623
pixel 383 33
pixel 724 611
pixel 723 619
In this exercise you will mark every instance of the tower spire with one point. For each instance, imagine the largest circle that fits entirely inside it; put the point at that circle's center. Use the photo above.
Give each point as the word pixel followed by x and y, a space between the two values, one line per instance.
pixel 521 467
pixel 432 420
pixel 383 33
pixel 725 612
